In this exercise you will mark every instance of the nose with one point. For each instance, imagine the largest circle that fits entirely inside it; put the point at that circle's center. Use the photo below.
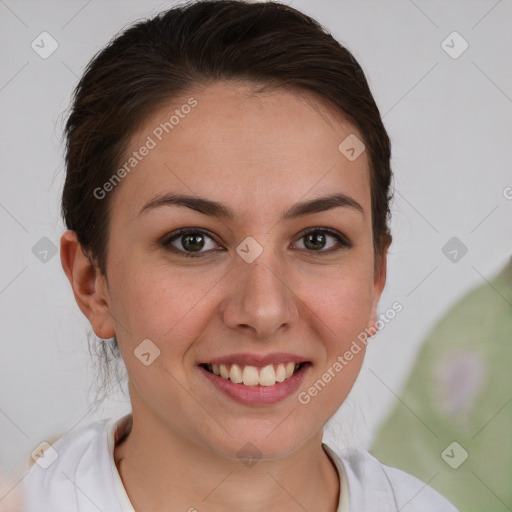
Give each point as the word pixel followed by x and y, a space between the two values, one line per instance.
pixel 260 298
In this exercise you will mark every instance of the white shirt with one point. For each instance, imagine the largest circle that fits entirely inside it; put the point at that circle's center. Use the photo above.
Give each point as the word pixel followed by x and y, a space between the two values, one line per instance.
pixel 84 478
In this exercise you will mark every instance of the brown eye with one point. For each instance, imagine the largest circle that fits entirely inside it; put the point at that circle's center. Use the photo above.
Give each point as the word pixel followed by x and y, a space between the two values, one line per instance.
pixel 316 240
pixel 189 241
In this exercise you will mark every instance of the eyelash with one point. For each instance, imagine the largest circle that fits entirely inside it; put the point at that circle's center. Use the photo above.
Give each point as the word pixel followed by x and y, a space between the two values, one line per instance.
pixel 343 241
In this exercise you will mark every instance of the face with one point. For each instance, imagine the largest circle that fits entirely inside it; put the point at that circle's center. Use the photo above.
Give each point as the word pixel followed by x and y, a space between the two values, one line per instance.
pixel 213 292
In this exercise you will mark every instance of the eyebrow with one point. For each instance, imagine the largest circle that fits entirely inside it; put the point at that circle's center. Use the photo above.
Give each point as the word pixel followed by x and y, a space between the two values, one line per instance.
pixel 216 209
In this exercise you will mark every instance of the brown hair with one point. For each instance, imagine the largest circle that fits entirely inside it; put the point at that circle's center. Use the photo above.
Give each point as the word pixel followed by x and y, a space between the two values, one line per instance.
pixel 155 60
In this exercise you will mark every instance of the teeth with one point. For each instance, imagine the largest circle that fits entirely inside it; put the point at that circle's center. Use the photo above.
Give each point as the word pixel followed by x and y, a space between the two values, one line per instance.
pixel 253 376
pixel 223 371
pixel 290 368
pixel 267 375
pixel 280 373
pixel 235 374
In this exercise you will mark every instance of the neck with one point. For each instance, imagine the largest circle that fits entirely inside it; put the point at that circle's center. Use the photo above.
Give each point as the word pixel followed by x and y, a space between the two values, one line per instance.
pixel 163 470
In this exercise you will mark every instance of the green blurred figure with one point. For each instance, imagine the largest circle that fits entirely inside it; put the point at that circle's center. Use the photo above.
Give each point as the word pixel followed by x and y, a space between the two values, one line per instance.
pixel 455 428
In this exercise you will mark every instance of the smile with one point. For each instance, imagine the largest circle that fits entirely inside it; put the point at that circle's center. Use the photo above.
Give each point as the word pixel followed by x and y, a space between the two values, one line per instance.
pixel 248 375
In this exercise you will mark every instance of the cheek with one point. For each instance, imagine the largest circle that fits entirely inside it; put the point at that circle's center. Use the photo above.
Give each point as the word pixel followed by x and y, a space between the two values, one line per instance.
pixel 343 302
pixel 341 314
pixel 166 307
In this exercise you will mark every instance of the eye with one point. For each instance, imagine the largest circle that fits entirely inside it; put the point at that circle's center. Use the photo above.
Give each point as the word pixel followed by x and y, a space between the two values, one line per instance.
pixel 191 240
pixel 315 239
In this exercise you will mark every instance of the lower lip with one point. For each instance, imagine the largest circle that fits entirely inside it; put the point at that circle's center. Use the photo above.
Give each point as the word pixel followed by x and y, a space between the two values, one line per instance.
pixel 258 395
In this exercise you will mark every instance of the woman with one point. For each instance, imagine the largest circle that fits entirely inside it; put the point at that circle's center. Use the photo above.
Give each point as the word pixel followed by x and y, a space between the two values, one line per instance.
pixel 227 200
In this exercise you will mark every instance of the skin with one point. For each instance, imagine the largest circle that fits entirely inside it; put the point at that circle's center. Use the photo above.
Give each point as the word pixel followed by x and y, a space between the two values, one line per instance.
pixel 258 154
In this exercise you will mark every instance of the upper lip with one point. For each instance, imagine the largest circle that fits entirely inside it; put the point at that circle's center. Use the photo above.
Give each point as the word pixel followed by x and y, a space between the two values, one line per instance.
pixel 253 359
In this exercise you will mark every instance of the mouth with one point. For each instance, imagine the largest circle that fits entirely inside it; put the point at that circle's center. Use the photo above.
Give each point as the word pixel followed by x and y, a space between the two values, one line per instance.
pixel 247 375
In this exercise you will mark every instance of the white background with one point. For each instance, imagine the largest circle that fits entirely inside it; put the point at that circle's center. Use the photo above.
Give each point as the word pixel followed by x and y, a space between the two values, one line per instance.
pixel 450 125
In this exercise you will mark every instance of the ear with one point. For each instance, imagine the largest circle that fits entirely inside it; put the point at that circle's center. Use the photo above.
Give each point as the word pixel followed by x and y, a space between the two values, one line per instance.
pixel 379 281
pixel 89 286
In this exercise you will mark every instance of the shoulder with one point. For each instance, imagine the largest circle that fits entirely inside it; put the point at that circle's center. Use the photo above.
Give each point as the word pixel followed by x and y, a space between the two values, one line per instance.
pixel 375 486
pixel 72 474
pixel 413 494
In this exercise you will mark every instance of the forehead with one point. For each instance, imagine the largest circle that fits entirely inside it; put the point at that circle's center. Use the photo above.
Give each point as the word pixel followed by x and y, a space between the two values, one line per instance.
pixel 229 143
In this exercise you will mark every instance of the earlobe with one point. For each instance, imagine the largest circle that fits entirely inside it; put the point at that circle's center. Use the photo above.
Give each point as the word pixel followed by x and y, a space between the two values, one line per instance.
pixel 89 286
